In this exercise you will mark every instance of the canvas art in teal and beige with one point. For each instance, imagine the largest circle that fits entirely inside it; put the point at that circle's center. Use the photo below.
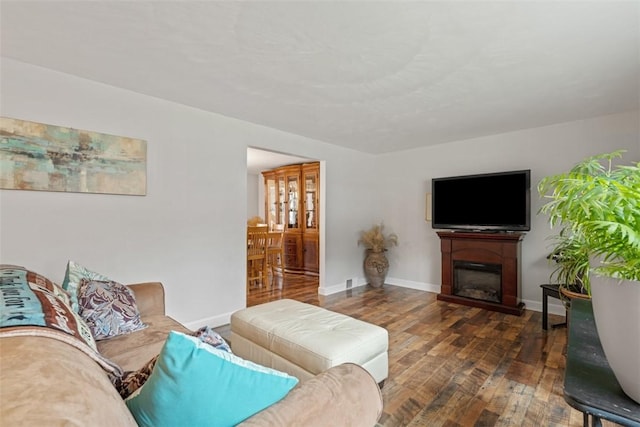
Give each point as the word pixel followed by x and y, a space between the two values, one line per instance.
pixel 37 156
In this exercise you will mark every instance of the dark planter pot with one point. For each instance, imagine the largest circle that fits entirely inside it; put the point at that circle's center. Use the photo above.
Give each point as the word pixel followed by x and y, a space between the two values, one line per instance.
pixel 568 293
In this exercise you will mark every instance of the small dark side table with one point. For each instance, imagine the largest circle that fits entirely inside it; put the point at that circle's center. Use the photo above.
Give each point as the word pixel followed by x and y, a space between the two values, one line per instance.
pixel 589 384
pixel 549 291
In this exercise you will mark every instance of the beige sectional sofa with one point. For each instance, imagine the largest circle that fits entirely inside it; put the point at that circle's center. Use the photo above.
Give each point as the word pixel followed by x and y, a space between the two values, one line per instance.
pixel 44 381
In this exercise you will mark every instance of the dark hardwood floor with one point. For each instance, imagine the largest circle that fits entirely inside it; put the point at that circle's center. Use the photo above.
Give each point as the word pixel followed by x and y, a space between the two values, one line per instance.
pixel 449 364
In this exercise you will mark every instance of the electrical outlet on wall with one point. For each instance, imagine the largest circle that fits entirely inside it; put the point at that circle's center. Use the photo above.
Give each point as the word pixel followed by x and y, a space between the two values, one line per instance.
pixel 349 283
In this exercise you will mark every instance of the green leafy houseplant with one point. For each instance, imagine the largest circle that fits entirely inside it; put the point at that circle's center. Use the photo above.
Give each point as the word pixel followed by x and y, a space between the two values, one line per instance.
pixel 571 259
pixel 597 205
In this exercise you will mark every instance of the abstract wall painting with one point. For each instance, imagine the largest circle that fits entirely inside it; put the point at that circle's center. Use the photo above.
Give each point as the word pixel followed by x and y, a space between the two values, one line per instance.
pixel 37 156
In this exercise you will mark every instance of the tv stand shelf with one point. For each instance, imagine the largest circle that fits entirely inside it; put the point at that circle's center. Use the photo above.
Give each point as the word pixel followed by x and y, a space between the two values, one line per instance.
pixel 490 248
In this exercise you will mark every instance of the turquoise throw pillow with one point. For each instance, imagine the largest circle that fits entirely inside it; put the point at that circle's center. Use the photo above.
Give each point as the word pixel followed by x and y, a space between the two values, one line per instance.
pixel 194 384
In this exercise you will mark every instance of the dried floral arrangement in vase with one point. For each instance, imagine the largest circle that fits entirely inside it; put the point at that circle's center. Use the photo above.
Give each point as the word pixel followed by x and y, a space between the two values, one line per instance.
pixel 376 264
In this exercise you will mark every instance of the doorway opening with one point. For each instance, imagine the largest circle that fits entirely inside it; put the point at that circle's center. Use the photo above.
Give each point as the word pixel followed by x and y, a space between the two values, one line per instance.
pixel 284 193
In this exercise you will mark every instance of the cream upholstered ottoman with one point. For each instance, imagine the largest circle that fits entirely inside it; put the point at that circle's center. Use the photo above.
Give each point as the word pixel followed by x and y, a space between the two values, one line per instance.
pixel 304 340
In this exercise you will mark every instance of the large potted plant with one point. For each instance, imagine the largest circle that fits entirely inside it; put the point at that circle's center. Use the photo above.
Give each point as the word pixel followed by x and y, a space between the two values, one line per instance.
pixel 376 264
pixel 597 205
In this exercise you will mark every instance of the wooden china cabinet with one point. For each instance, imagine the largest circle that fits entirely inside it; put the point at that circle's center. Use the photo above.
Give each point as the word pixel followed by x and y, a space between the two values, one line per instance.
pixel 291 205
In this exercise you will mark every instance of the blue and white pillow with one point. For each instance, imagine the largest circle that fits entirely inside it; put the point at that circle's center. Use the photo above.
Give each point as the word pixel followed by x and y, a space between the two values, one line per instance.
pixel 196 384
pixel 71 282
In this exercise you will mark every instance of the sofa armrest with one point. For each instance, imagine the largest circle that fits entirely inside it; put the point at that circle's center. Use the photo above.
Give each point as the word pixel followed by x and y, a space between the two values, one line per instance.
pixel 345 395
pixel 149 298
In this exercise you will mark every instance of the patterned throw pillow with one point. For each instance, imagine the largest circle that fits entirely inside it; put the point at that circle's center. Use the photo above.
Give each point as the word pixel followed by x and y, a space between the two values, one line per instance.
pixel 131 381
pixel 211 337
pixel 108 308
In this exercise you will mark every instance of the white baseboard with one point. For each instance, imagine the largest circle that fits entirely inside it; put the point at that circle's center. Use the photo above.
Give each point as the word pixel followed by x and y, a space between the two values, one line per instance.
pixel 328 290
pixel 214 322
pixel 225 319
pixel 554 308
pixel 357 282
pixel 421 286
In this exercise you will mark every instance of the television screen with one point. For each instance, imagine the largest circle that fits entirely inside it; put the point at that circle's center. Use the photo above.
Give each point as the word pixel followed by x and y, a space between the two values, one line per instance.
pixel 494 201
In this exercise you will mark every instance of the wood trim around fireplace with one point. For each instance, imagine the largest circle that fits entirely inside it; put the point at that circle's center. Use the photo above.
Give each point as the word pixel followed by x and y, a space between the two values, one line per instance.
pixel 480 247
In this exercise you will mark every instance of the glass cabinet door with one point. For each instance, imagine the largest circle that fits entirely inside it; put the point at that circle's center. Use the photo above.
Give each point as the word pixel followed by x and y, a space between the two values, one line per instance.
pixel 282 201
pixel 292 201
pixel 310 200
pixel 272 203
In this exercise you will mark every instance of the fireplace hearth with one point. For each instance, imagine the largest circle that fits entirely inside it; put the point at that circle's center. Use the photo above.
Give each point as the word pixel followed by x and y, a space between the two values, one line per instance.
pixel 482 270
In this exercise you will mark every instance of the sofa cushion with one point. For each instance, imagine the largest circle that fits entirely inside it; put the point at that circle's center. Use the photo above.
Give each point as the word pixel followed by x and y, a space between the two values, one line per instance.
pixel 108 308
pixel 132 351
pixel 344 395
pixel 195 384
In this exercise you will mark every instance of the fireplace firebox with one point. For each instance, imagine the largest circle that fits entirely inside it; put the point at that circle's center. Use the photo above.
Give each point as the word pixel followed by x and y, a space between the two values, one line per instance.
pixel 482 270
pixel 476 280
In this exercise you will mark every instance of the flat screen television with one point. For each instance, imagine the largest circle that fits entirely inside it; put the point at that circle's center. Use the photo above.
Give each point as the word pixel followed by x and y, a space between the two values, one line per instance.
pixel 498 201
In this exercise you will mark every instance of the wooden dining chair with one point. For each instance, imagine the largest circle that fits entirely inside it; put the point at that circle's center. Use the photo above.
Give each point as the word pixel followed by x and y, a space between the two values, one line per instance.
pixel 275 251
pixel 257 256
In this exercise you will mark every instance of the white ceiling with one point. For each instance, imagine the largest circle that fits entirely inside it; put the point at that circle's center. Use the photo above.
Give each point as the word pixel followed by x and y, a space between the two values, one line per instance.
pixel 260 160
pixel 376 76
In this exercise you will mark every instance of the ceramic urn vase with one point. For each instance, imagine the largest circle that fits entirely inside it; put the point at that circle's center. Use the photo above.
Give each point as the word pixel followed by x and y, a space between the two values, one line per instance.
pixel 615 310
pixel 376 267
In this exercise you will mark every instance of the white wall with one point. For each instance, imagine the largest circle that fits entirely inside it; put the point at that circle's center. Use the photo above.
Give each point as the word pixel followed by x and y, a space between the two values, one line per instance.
pixel 189 230
pixel 546 150
pixel 253 195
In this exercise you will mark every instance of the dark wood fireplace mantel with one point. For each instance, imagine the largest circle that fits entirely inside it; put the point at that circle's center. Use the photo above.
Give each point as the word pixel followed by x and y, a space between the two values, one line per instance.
pixel 501 249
